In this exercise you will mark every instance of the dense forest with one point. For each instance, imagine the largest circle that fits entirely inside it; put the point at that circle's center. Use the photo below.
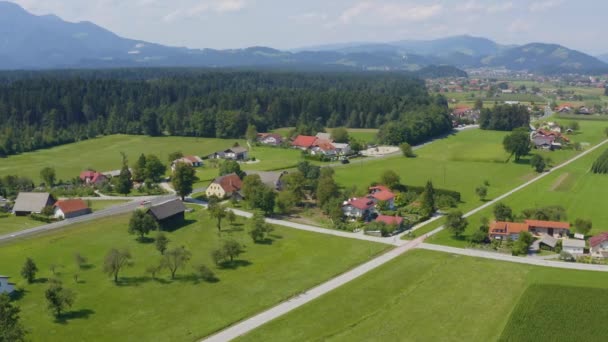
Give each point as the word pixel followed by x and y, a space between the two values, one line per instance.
pixel 58 108
pixel 504 117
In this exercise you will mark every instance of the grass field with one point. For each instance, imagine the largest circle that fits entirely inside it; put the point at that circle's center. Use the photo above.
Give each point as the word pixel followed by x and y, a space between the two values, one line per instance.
pixel 10 223
pixel 185 309
pixel 363 134
pixel 103 154
pixel 580 192
pixel 558 313
pixel 423 296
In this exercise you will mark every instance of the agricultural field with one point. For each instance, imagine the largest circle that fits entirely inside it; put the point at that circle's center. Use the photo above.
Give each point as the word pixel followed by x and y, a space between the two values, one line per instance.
pixel 363 134
pixel 426 296
pixel 10 223
pixel 573 187
pixel 161 309
pixel 103 154
pixel 558 313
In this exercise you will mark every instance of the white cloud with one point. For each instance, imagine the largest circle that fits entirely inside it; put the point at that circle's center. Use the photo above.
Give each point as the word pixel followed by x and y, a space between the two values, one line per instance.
pixel 487 7
pixel 541 6
pixel 389 11
pixel 217 6
pixel 519 25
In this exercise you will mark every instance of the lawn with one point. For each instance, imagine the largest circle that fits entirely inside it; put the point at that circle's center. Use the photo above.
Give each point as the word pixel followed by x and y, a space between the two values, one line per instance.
pixel 558 313
pixel 423 296
pixel 103 154
pixel 97 205
pixel 185 309
pixel 573 187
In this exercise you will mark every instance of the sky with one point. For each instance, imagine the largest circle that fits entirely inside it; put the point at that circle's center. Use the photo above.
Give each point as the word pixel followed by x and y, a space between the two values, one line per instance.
pixel 286 24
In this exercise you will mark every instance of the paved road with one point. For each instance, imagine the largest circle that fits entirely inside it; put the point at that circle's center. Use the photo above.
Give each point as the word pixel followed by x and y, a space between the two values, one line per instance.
pixel 112 211
pixel 266 316
pixel 509 258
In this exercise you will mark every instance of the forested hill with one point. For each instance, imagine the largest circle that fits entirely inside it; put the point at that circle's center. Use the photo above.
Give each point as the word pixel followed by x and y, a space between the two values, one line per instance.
pixel 38 112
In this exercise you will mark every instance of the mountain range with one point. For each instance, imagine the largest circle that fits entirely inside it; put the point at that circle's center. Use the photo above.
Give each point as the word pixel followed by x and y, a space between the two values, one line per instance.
pixel 29 41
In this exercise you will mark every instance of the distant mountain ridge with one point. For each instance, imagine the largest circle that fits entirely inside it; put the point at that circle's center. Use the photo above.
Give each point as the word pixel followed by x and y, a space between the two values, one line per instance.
pixel 28 41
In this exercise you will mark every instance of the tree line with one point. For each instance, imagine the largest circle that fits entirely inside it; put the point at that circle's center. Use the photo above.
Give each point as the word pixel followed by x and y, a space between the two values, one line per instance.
pixel 46 109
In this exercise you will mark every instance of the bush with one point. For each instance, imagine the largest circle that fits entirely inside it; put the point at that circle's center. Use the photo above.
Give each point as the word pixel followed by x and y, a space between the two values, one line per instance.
pixel 43 218
pixel 445 202
pixel 206 273
pixel 565 256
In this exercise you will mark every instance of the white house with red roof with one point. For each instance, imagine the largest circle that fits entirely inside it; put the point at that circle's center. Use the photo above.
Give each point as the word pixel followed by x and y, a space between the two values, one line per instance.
pixel 304 142
pixel 272 139
pixel 70 208
pixel 93 177
pixel 359 208
pixel 510 230
pixel 598 245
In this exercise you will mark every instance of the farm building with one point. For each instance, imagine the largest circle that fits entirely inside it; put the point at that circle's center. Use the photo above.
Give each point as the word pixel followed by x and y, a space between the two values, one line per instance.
pixel 573 246
pixel 170 211
pixel 598 245
pixel 32 202
pixel 70 208
pixel 271 139
pixel 270 179
pixel 93 177
pixel 225 186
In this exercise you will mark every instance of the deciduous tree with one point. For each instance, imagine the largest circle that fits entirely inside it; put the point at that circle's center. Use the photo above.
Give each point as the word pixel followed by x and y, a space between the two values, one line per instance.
pixel 28 271
pixel 59 298
pixel 115 261
pixel 456 223
pixel 161 242
pixel 259 229
pixel 141 224
pixel 175 259
pixel 390 178
pixel 407 150
pixel 502 212
pixel 340 135
pixel 11 329
pixel 183 179
pixel 517 143
pixel 48 176
pixel 583 226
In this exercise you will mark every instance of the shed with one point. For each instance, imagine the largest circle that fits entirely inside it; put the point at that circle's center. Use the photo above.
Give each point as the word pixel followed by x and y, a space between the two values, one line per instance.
pixel 32 202
pixel 573 246
pixel 5 285
pixel 71 208
pixel 168 211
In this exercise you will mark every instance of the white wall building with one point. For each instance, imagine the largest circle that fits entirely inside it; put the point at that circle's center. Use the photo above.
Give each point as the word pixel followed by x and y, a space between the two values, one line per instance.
pixel 5 286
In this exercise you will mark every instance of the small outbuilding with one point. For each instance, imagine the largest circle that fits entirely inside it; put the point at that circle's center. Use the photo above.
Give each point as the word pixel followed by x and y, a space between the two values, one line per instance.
pixel 573 246
pixel 32 202
pixel 71 208
pixel 170 211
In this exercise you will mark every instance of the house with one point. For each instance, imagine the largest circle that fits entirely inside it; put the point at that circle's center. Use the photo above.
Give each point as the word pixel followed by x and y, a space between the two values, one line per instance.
pixel 169 211
pixel 93 177
pixel 544 139
pixel 573 246
pixel 359 208
pixel 236 153
pixel 225 186
pixel 390 220
pixel 546 241
pixel 552 228
pixel 506 230
pixel 584 111
pixel 462 111
pixel 323 147
pixel 32 202
pixel 5 286
pixel 564 108
pixel 303 142
pixel 270 179
pixel 114 173
pixel 598 245
pixel 70 208
pixel 342 149
pixel 272 139
pixel 382 193
pixel 193 161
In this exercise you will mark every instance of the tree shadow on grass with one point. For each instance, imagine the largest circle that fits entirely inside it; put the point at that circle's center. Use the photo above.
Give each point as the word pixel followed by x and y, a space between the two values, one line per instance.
pixel 145 240
pixel 71 315
pixel 86 267
pixel 18 294
pixel 234 229
pixel 40 281
pixel 234 264
pixel 523 161
pixel 174 225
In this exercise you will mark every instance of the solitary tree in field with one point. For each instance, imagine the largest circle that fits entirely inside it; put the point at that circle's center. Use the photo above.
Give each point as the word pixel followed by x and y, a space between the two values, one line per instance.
pixel 231 217
pixel 58 298
pixel 456 223
pixel 80 260
pixel 115 261
pixel 259 228
pixel 390 178
pixel 503 213
pixel 48 176
pixel 28 271
pixel 517 143
pixel 11 329
pixel 218 212
pixel 175 259
pixel 407 150
pixel 183 179
pixel 232 249
pixel 538 163
pixel 141 224
pixel 161 242
pixel 482 192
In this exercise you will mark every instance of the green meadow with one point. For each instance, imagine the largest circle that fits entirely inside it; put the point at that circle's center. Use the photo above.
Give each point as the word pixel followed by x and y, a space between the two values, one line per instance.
pixel 140 308
pixel 431 296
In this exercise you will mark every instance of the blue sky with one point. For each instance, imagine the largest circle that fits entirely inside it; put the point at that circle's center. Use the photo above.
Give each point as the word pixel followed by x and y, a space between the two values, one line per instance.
pixel 290 24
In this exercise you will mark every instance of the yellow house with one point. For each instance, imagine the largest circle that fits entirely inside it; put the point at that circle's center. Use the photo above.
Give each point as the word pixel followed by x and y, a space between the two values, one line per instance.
pixel 224 186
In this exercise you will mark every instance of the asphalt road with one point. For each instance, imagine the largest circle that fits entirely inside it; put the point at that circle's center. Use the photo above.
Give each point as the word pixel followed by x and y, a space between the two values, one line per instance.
pixel 112 211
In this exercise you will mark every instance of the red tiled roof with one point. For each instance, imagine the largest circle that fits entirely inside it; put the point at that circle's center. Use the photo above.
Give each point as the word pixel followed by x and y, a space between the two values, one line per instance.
pixel 193 159
pixel 71 205
pixel 383 195
pixel 390 219
pixel 98 176
pixel 361 203
pixel 86 174
pixel 548 224
pixel 598 239
pixel 92 176
pixel 230 183
pixel 304 141
pixel 507 228
pixel 324 145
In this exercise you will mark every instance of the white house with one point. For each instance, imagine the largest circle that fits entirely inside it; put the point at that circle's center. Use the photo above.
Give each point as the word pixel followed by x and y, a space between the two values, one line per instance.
pixel 342 149
pixel 598 245
pixel 360 208
pixel 5 286
pixel 573 246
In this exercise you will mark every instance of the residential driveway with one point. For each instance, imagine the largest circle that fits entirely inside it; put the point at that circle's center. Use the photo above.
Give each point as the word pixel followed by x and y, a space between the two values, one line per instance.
pixel 312 294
